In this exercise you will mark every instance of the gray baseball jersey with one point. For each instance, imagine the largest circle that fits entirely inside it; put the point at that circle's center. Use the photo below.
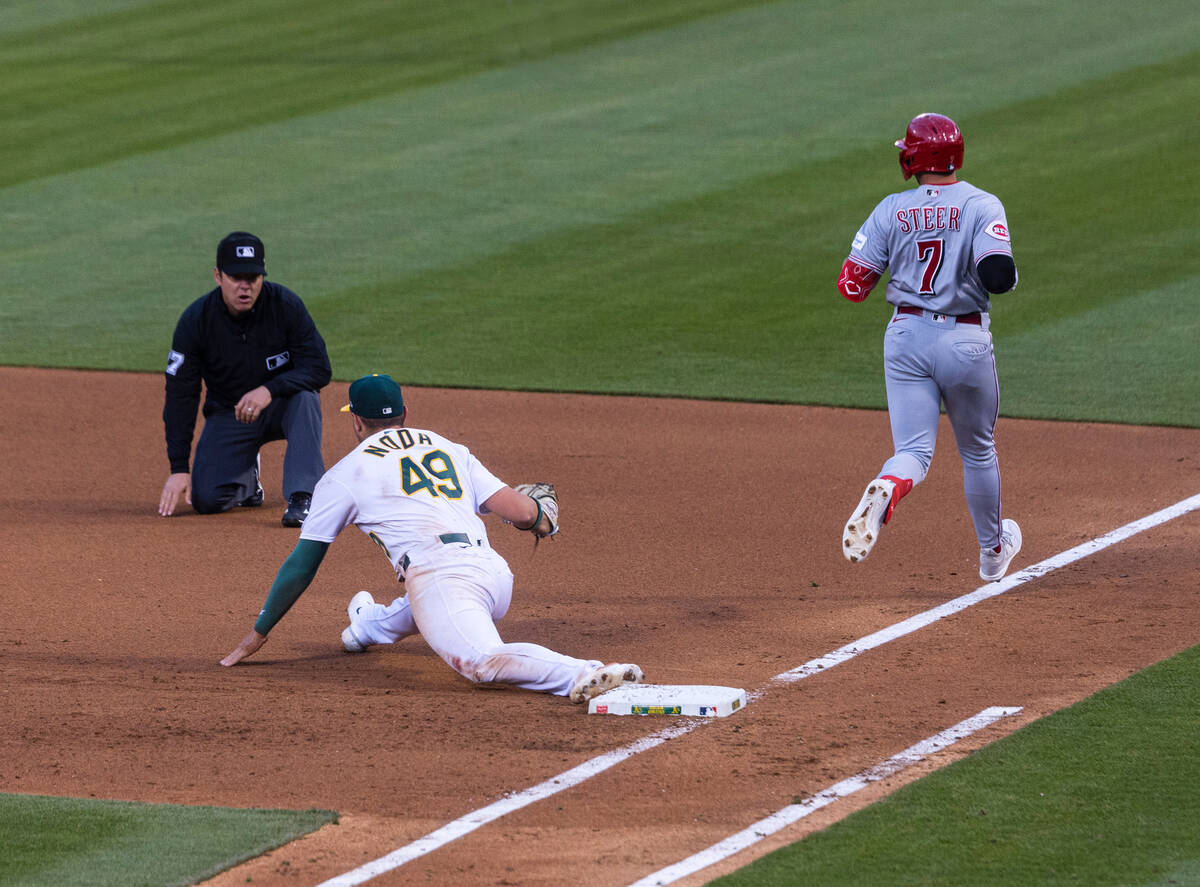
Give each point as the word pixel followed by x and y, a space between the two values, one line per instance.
pixel 930 238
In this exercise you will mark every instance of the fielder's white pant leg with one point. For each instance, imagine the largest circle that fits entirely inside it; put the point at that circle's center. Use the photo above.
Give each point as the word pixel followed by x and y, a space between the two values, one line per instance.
pixel 914 400
pixel 455 606
pixel 967 372
pixel 385 624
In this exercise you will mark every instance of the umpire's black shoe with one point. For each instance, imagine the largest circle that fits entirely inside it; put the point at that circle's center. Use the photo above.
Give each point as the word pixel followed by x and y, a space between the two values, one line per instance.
pixel 297 510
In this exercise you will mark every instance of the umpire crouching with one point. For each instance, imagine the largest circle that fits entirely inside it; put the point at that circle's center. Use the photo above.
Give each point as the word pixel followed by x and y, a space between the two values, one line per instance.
pixel 262 362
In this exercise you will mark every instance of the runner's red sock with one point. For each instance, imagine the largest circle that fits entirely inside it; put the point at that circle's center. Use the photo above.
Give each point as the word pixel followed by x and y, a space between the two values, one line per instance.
pixel 903 486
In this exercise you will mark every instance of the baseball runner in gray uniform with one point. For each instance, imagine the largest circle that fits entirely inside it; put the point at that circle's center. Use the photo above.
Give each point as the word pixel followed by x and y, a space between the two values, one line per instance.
pixel 946 247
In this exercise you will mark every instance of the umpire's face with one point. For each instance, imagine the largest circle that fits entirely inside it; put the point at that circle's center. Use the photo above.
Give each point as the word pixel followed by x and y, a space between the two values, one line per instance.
pixel 240 291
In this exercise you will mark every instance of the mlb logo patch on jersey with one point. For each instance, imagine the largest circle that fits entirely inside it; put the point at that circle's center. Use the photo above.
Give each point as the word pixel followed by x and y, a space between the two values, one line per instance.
pixel 860 240
pixel 999 230
pixel 275 361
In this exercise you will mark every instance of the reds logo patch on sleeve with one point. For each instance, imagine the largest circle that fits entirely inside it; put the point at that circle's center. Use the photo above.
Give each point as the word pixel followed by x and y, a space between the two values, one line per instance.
pixel 999 230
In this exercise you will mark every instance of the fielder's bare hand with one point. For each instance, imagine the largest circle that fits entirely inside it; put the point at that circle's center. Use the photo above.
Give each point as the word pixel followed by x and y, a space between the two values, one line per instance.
pixel 250 643
pixel 177 485
pixel 253 402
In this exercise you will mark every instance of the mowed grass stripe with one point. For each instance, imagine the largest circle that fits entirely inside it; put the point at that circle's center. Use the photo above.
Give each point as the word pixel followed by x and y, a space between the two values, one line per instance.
pixel 26 17
pixel 111 84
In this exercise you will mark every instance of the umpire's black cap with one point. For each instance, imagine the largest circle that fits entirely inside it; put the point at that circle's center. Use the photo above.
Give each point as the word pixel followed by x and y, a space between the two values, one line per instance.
pixel 241 253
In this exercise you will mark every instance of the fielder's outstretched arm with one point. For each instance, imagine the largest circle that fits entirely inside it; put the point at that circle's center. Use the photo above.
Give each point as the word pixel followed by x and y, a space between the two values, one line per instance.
pixel 514 507
pixel 531 507
pixel 295 575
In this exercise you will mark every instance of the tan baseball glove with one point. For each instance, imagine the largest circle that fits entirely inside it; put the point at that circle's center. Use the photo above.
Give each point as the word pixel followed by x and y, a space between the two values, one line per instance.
pixel 546 523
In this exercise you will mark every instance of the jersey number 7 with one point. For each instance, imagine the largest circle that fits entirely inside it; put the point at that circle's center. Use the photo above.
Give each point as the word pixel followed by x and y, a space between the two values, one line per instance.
pixel 930 253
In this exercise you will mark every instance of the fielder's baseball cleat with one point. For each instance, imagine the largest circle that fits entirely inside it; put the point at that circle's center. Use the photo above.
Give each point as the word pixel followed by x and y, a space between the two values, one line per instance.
pixel 994 564
pixel 297 510
pixel 361 599
pixel 862 530
pixel 351 642
pixel 600 680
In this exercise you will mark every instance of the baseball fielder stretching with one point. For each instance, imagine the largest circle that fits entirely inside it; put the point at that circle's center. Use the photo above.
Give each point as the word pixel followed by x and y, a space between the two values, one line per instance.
pixel 946 246
pixel 418 496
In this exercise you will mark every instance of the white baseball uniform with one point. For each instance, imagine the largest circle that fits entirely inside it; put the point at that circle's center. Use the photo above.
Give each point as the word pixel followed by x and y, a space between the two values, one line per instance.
pixel 418 495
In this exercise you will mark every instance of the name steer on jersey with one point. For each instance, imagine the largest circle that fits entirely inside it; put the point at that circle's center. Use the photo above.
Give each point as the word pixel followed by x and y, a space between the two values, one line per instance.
pixel 421 498
pixel 946 248
pixel 928 218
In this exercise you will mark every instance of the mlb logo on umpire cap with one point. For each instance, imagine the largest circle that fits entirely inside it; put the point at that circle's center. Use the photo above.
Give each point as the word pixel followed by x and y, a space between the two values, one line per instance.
pixel 241 253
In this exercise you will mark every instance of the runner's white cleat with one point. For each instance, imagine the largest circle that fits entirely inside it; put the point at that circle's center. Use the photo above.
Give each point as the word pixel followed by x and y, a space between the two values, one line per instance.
pixel 994 564
pixel 862 530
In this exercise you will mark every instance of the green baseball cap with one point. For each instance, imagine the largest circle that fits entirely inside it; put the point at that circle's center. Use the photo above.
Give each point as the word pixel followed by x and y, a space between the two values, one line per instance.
pixel 375 396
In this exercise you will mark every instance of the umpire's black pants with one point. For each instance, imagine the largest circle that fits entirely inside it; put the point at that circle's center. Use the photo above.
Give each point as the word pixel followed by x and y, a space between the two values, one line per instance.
pixel 225 467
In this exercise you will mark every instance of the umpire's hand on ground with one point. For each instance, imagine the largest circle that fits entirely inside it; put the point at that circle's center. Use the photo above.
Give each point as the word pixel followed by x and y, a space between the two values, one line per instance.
pixel 176 485
pixel 249 644
pixel 253 402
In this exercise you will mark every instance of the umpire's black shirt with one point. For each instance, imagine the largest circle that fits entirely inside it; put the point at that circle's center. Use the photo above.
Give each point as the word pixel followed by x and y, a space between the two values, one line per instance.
pixel 275 344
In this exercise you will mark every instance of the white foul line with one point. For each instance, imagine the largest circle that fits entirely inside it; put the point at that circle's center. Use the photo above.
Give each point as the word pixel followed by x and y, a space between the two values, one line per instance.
pixel 466 824
pixel 794 812
pixel 992 589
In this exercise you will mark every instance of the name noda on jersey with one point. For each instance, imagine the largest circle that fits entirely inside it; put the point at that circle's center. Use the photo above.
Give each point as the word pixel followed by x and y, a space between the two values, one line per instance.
pixel 417 463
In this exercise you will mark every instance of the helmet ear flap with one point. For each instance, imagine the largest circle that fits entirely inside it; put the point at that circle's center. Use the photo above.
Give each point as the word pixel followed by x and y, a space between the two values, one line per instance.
pixel 906 158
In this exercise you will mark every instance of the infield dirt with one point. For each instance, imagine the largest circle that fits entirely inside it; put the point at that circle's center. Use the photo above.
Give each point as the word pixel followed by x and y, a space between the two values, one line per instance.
pixel 700 540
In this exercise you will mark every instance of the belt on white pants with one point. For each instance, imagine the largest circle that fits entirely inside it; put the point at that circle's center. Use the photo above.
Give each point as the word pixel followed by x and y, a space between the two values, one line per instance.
pixel 446 539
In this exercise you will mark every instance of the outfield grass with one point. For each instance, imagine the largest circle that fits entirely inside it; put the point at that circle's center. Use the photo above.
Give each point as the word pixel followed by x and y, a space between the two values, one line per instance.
pixel 637 197
pixel 664 191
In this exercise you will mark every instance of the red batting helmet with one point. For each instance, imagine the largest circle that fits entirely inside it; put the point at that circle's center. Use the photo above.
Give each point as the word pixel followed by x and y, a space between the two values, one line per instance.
pixel 931 144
